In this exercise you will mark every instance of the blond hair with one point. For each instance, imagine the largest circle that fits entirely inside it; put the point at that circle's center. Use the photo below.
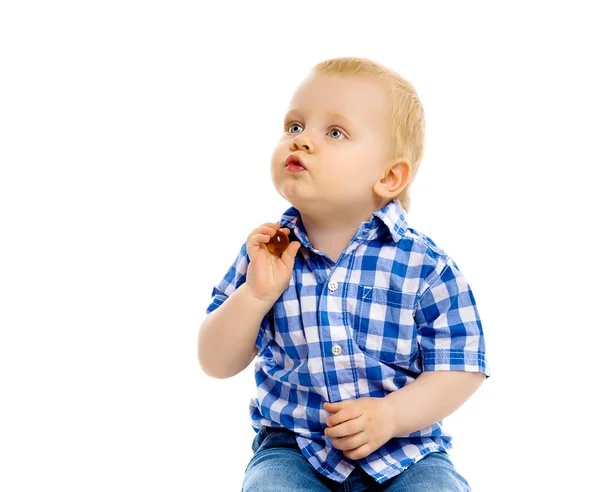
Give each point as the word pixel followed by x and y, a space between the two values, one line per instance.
pixel 405 115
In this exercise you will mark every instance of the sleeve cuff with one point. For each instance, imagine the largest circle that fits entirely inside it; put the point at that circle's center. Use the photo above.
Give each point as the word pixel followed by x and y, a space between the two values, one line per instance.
pixel 455 360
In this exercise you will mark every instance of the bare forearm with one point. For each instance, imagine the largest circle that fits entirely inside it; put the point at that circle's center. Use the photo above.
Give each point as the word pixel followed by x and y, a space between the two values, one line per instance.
pixel 430 398
pixel 228 334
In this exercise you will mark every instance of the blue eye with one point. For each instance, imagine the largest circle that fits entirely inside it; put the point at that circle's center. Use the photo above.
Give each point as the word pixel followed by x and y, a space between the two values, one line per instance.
pixel 333 129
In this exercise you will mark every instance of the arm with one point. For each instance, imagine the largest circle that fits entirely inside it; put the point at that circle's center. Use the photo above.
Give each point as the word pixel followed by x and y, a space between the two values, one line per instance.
pixel 430 398
pixel 228 334
pixel 451 335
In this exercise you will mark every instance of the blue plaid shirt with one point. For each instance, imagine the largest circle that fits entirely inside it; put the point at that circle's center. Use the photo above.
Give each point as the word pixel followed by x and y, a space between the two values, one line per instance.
pixel 394 305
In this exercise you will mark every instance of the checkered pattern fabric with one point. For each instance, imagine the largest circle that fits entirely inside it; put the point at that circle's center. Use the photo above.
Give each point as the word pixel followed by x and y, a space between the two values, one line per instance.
pixel 392 306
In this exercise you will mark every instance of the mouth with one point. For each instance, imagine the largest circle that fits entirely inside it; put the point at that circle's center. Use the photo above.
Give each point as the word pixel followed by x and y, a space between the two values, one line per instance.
pixel 294 164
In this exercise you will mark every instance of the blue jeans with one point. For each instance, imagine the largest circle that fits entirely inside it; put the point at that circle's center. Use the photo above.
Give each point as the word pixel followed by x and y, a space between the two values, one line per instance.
pixel 278 465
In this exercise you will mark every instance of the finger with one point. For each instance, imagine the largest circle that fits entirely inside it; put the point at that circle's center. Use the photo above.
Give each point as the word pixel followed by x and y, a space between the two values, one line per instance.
pixel 350 442
pixel 255 242
pixel 340 412
pixel 360 452
pixel 347 428
pixel 258 239
pixel 289 255
pixel 263 229
pixel 267 230
pixel 271 225
pixel 337 404
pixel 274 225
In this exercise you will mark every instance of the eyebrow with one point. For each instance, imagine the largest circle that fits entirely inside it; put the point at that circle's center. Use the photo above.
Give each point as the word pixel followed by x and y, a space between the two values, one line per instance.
pixel 333 115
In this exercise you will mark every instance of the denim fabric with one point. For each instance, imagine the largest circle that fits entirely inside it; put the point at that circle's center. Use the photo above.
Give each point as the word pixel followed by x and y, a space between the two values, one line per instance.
pixel 278 465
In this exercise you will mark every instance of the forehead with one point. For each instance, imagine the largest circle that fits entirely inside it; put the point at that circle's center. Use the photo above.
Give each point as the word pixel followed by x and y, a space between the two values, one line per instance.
pixel 360 99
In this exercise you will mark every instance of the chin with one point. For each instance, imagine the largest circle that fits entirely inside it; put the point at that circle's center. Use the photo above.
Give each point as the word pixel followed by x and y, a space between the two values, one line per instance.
pixel 293 199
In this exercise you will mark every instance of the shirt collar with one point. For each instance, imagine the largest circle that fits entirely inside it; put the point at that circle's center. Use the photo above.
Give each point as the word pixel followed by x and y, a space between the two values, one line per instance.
pixel 391 218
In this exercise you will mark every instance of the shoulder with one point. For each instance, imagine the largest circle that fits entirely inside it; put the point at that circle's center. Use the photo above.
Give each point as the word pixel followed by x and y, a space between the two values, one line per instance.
pixel 423 243
pixel 422 257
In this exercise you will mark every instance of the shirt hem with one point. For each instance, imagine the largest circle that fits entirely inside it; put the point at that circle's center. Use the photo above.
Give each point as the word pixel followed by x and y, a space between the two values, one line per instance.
pixel 395 470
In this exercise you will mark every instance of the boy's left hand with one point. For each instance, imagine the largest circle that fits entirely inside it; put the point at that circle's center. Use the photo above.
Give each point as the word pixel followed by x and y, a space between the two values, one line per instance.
pixel 361 426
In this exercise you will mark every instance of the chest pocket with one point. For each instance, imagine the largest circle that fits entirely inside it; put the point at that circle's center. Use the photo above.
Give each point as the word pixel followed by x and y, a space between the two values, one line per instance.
pixel 385 326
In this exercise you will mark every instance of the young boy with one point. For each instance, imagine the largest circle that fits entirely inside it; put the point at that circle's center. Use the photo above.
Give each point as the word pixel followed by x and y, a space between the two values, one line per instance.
pixel 368 337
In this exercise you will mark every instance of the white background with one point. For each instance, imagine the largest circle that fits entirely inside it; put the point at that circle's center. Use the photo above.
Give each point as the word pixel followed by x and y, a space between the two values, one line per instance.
pixel 135 144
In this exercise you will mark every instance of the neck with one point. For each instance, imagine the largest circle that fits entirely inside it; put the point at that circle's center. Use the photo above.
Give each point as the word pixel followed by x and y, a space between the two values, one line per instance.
pixel 331 233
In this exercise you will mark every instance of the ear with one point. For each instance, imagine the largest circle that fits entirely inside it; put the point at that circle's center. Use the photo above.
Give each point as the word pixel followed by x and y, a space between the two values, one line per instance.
pixel 394 179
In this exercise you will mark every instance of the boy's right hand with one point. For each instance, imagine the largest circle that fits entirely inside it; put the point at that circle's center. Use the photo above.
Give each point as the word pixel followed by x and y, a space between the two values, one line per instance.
pixel 268 275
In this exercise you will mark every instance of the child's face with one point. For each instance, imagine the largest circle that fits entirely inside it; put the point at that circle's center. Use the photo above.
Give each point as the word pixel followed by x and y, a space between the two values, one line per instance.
pixel 343 158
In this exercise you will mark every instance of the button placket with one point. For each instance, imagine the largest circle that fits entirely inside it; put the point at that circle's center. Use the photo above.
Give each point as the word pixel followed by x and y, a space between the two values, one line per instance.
pixel 336 349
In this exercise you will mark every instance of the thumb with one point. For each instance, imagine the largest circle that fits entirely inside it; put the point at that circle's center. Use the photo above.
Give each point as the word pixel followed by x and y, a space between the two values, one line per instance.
pixel 289 254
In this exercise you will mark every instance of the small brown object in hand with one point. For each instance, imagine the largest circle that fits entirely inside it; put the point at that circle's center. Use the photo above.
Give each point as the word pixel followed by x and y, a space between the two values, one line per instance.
pixel 278 243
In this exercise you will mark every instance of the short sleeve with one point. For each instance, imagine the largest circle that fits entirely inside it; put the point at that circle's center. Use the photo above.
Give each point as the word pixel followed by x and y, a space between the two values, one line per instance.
pixel 449 330
pixel 234 278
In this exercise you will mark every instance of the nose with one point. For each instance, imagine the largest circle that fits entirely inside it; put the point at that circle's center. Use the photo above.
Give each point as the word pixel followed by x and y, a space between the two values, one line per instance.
pixel 302 142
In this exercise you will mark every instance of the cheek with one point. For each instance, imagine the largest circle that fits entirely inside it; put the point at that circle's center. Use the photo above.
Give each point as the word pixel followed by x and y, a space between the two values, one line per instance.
pixel 277 169
pixel 349 169
pixel 276 159
pixel 280 153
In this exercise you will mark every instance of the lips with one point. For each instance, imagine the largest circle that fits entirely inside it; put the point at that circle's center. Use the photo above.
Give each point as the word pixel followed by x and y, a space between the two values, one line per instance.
pixel 294 159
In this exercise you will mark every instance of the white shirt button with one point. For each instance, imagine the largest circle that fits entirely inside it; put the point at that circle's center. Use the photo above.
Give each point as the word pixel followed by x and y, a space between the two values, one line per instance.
pixel 333 285
pixel 336 350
